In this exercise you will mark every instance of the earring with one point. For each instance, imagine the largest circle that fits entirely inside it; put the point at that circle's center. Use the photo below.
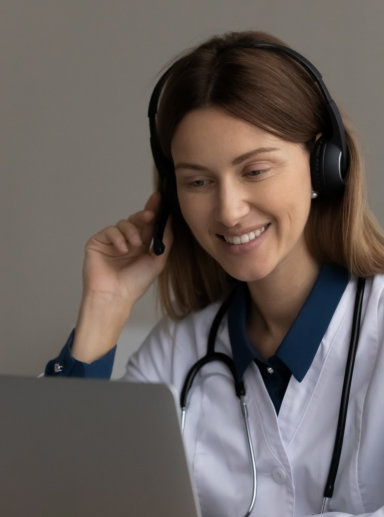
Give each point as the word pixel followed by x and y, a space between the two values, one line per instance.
pixel 314 194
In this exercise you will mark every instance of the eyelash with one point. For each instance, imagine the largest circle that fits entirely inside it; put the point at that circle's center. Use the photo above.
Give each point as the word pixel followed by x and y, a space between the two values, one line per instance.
pixel 257 171
pixel 199 184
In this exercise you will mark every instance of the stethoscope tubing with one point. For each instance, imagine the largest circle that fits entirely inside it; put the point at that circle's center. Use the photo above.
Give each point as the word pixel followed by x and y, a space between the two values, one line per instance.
pixel 212 356
pixel 344 400
pixel 244 411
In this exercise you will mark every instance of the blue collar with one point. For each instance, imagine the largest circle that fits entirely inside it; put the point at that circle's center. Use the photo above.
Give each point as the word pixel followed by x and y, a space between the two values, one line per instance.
pixel 298 348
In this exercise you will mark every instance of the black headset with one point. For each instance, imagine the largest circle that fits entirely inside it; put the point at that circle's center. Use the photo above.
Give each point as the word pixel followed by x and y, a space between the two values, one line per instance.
pixel 329 159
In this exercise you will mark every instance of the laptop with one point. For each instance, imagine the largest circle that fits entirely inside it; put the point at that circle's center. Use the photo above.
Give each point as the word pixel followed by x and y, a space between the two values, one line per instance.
pixel 85 447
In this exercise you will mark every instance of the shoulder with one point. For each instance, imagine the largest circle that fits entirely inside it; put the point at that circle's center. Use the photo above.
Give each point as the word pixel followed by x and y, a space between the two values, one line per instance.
pixel 377 286
pixel 373 290
pixel 192 328
pixel 172 347
pixel 374 300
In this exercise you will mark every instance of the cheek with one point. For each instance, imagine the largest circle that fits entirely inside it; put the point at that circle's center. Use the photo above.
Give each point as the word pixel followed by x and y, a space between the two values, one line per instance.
pixel 197 217
pixel 191 215
pixel 300 206
pixel 292 201
pixel 185 208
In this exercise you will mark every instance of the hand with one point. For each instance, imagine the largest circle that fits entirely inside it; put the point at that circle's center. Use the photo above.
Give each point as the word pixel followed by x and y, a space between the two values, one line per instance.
pixel 119 263
pixel 119 266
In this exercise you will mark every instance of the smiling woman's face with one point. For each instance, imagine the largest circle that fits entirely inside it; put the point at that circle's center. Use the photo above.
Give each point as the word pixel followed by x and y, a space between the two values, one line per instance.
pixel 244 193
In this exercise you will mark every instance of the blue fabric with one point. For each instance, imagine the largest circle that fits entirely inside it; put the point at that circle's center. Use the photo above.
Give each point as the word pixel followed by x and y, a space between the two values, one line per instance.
pixel 66 366
pixel 298 349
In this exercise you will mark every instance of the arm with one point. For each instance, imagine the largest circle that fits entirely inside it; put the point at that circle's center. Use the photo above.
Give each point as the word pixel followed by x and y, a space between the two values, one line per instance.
pixel 64 365
pixel 119 266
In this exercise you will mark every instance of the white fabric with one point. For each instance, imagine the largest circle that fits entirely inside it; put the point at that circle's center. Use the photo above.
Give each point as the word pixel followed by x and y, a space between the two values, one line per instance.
pixel 293 450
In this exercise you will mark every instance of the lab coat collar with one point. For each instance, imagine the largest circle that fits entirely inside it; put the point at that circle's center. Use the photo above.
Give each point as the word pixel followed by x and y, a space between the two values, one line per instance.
pixel 298 348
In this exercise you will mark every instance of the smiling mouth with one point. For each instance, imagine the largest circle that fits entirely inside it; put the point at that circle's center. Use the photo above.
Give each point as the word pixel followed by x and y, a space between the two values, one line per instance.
pixel 245 237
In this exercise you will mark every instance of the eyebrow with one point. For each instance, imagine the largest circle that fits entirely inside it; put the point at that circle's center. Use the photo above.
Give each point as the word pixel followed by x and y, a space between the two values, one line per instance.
pixel 236 161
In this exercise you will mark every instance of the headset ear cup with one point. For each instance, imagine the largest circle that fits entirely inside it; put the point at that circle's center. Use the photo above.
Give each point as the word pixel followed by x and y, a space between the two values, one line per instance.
pixel 326 174
pixel 317 165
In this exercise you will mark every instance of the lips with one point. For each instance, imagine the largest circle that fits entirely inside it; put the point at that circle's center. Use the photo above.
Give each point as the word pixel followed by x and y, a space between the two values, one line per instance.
pixel 245 237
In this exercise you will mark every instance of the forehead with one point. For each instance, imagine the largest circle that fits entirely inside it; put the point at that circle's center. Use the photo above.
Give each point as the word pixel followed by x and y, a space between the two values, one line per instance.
pixel 204 132
pixel 214 122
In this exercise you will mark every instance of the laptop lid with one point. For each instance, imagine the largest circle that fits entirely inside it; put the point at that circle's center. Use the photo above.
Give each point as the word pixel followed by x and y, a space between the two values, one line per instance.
pixel 82 447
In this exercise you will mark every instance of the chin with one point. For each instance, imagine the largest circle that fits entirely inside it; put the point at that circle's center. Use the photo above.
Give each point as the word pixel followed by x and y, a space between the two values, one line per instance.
pixel 248 274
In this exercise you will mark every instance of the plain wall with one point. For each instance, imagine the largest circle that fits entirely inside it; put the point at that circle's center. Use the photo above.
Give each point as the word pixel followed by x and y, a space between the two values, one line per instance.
pixel 76 76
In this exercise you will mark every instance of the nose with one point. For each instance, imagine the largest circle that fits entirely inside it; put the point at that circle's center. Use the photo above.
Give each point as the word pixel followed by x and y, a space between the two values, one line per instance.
pixel 231 203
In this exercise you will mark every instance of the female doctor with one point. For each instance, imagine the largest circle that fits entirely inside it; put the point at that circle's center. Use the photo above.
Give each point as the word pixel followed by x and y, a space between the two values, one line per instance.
pixel 262 244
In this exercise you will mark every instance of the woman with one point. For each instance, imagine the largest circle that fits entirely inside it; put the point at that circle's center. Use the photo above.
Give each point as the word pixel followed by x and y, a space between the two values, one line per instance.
pixel 265 190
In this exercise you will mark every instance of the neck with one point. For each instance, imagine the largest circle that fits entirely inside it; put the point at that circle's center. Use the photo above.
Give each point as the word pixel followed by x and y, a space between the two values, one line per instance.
pixel 275 303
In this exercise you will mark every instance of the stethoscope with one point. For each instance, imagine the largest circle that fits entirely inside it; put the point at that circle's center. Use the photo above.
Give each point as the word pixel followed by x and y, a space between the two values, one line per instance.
pixel 212 356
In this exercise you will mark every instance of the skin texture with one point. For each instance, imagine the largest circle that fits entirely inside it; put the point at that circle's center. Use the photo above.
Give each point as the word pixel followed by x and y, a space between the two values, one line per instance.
pixel 119 266
pixel 234 178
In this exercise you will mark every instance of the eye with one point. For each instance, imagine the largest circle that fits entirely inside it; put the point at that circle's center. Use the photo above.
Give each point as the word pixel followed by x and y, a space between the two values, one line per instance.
pixel 197 183
pixel 254 173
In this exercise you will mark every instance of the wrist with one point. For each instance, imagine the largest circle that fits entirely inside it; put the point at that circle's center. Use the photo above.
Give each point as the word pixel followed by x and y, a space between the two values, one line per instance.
pixel 100 322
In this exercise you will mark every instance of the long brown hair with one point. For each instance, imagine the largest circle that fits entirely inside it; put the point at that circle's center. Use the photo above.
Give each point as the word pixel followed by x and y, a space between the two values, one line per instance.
pixel 275 93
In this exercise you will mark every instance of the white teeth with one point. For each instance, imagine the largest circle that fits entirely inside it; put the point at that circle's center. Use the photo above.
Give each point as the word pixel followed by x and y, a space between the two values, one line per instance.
pixel 246 237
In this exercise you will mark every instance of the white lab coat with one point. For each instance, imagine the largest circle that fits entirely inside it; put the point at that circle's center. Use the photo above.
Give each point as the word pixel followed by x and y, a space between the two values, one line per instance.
pixel 293 450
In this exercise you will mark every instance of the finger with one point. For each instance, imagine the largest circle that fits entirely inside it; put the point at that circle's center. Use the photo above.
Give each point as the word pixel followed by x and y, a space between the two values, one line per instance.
pixel 145 218
pixel 131 232
pixel 153 202
pixel 142 218
pixel 144 221
pixel 112 236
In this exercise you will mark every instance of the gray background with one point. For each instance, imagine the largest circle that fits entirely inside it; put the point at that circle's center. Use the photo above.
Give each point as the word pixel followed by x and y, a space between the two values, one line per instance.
pixel 75 80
